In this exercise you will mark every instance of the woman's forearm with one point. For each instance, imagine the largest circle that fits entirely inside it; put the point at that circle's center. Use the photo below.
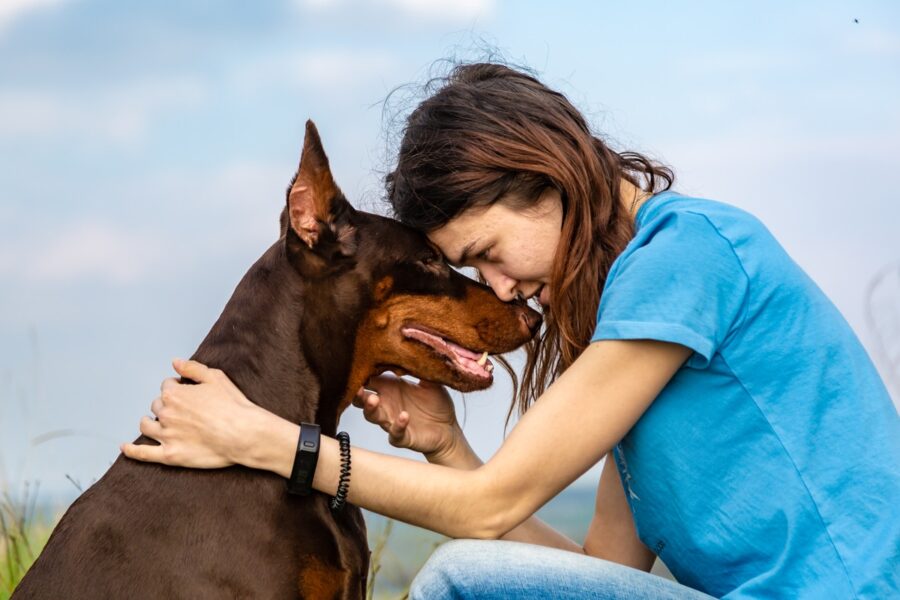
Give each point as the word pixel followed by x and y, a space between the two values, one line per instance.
pixel 441 502
pixel 275 450
pixel 532 530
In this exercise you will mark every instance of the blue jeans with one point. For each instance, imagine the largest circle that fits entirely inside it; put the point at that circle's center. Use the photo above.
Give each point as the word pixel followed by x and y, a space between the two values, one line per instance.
pixel 488 569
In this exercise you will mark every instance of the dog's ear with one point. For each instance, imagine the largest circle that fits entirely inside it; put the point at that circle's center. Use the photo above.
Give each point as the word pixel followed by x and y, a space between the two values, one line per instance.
pixel 316 209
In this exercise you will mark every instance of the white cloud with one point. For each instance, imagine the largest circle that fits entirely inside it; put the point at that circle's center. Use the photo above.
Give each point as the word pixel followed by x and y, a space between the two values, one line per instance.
pixel 442 9
pixel 338 68
pixel 323 70
pixel 90 249
pixel 188 219
pixel 10 10
pixel 120 114
pixel 420 10
pixel 318 4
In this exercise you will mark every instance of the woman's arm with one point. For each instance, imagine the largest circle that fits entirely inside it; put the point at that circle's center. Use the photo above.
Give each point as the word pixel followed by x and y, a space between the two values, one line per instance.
pixel 421 417
pixel 569 428
pixel 532 530
pixel 612 535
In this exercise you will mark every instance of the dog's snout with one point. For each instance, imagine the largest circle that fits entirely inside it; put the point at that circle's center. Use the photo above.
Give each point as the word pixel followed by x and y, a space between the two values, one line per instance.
pixel 531 319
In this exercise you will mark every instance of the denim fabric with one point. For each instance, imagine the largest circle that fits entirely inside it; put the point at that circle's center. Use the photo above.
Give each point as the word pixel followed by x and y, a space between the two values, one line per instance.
pixel 488 569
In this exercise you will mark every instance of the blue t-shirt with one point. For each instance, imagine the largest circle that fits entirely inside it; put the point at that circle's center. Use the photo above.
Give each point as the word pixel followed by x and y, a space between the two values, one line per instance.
pixel 769 466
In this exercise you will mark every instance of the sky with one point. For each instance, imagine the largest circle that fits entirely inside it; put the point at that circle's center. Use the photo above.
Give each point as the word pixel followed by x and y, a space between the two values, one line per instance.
pixel 145 148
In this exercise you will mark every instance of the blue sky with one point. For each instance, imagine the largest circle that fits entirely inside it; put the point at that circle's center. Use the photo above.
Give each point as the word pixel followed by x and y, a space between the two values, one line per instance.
pixel 145 148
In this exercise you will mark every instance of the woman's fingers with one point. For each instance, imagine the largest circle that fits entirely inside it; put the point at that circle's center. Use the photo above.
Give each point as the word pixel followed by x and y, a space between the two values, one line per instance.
pixel 374 412
pixel 397 433
pixel 143 452
pixel 359 400
pixel 384 383
pixel 151 428
pixel 202 426
pixel 156 405
pixel 380 413
pixel 398 427
pixel 372 408
pixel 192 369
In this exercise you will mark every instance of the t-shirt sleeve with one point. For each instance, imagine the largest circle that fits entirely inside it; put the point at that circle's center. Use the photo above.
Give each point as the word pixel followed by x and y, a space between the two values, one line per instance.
pixel 683 284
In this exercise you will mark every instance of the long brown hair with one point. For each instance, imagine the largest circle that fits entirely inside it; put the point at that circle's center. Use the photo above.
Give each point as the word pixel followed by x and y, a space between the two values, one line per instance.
pixel 489 130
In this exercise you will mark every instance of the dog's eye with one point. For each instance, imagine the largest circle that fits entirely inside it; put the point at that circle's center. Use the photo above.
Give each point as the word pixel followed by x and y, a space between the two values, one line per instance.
pixel 432 258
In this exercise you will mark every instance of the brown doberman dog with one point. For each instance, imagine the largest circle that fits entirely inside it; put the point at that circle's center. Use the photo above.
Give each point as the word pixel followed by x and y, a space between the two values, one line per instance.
pixel 341 296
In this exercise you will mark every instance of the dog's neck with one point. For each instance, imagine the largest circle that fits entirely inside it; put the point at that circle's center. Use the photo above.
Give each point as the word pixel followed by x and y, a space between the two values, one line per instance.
pixel 285 342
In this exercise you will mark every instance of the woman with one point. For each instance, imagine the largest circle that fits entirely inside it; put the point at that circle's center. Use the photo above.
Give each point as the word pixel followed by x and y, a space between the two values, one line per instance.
pixel 756 446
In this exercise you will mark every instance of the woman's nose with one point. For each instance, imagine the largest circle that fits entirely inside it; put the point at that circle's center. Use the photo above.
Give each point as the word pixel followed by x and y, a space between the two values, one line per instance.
pixel 504 287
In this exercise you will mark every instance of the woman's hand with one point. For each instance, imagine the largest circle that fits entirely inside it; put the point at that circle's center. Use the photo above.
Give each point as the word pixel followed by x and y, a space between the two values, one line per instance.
pixel 419 416
pixel 203 425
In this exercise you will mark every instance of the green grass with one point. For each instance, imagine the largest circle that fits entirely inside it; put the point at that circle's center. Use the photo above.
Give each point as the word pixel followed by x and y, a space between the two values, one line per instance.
pixel 21 537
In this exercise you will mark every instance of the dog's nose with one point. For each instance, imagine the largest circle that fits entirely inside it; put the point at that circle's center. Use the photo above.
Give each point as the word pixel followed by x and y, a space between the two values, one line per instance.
pixel 531 318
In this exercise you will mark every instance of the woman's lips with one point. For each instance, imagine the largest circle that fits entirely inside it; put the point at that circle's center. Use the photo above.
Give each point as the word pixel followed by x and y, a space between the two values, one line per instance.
pixel 544 297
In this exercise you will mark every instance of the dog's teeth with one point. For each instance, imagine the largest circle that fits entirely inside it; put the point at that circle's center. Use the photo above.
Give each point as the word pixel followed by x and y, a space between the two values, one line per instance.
pixel 483 359
pixel 489 367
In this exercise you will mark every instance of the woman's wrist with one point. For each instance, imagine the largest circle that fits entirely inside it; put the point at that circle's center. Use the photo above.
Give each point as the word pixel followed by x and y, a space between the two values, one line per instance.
pixel 274 449
pixel 458 454
pixel 270 443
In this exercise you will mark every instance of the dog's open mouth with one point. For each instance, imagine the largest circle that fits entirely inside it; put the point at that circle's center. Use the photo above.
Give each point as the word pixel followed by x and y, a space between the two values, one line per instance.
pixel 468 362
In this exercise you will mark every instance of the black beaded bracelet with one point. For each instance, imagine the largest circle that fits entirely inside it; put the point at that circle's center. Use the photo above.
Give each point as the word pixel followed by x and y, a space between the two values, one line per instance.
pixel 337 503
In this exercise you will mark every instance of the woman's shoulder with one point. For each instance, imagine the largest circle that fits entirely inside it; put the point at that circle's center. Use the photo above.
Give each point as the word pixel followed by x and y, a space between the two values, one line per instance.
pixel 665 208
pixel 701 233
pixel 691 220
pixel 679 236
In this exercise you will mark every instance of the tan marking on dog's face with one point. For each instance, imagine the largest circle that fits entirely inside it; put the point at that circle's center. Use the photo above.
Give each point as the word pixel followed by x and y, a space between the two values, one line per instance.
pixel 383 288
pixel 478 321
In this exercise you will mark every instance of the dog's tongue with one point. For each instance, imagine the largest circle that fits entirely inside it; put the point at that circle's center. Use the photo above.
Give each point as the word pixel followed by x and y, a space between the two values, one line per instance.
pixel 462 351
pixel 464 357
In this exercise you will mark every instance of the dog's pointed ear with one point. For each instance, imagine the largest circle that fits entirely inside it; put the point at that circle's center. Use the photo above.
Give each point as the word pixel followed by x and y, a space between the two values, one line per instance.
pixel 314 201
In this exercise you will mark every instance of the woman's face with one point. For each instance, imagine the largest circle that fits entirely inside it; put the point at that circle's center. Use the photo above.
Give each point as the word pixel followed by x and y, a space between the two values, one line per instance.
pixel 512 248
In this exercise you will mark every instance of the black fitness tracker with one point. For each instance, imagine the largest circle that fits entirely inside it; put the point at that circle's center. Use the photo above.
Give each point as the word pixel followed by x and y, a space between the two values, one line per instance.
pixel 305 460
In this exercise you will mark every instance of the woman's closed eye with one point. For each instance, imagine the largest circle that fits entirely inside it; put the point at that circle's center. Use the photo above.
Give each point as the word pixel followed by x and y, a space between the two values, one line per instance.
pixel 484 254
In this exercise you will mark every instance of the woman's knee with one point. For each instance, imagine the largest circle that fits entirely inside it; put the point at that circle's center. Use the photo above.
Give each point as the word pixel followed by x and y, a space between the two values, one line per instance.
pixel 451 570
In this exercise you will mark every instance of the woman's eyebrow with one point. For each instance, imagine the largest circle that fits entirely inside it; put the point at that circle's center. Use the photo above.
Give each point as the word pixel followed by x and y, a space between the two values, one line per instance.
pixel 464 256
